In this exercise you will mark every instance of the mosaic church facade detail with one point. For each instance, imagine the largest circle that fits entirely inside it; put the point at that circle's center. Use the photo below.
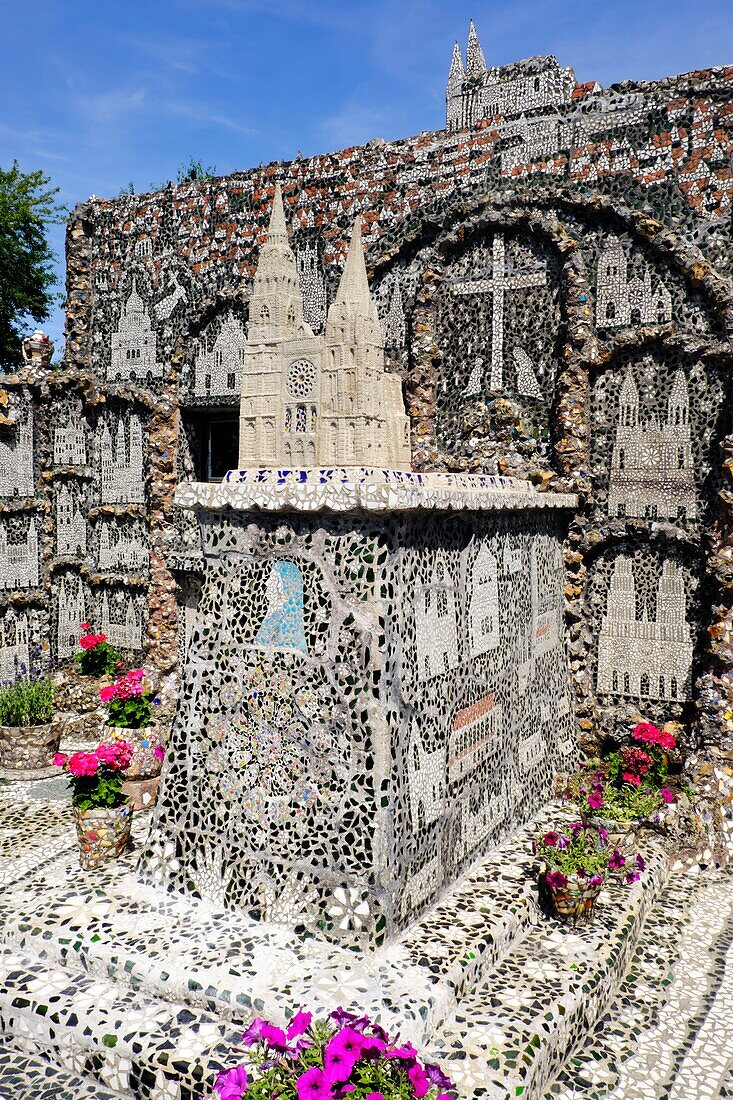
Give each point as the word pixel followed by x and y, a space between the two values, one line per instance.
pixel 552 241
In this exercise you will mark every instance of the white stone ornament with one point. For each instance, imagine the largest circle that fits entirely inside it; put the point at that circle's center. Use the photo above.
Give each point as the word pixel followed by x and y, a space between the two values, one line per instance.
pixel 645 658
pixel 310 400
pixel 133 355
pixel 500 279
pixel 70 613
pixel 121 621
pixel 622 301
pixel 71 528
pixel 218 367
pixel 16 454
pixel 14 646
pixel 19 557
pixel 652 472
pixel 312 283
pixel 69 438
pixel 436 630
pixel 121 461
pixel 122 546
pixel 483 603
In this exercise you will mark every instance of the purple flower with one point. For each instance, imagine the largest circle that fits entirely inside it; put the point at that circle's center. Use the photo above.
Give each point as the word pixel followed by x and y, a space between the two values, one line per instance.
pixel 667 795
pixel 632 876
pixel 616 860
pixel 563 841
pixel 313 1085
pixel 233 1084
pixel 595 880
pixel 603 834
pixel 551 839
pixel 253 1034
pixel 275 1036
pixel 342 1053
pixel 341 1018
pixel 436 1076
pixel 640 863
pixel 299 1024
pixel 556 880
pixel 418 1079
pixel 405 1053
pixel 595 799
pixel 374 1096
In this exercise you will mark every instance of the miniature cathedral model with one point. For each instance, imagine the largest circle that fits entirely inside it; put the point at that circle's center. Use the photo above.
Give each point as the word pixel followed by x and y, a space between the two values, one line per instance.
pixel 313 401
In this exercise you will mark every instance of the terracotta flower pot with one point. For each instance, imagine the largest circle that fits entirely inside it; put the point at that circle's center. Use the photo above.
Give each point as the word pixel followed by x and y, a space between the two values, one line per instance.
pixel 27 752
pixel 147 744
pixel 103 833
pixel 575 901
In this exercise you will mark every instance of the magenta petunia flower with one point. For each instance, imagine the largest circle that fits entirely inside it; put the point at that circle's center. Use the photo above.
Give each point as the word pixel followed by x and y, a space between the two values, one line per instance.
pixel 419 1080
pixel 667 795
pixel 405 1053
pixel 595 799
pixel 233 1084
pixel 551 838
pixel 342 1053
pixel 616 860
pixel 299 1024
pixel 595 880
pixel 374 1096
pixel 640 864
pixel 313 1085
pixel 436 1076
pixel 253 1034
pixel 556 880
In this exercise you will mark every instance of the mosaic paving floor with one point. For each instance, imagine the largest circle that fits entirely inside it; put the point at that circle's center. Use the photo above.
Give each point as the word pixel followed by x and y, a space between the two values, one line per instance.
pixel 108 989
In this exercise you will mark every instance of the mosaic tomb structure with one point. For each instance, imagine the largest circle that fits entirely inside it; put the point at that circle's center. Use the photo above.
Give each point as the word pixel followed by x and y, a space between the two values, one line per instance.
pixel 376 689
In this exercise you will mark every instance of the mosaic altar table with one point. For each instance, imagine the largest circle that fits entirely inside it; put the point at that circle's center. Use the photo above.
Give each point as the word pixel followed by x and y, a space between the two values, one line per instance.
pixel 375 691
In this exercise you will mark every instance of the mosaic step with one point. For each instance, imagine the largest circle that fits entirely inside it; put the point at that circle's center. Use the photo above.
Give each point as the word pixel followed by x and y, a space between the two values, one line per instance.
pixel 142 1048
pixel 108 924
pixel 25 1075
pixel 513 1032
pixel 669 1033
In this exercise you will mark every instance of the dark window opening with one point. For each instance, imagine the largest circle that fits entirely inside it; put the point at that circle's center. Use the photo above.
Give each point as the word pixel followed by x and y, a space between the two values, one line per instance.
pixel 213 442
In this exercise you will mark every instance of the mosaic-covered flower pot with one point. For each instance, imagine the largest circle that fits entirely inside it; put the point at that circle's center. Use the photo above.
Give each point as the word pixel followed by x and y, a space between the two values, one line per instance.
pixel 27 752
pixel 142 793
pixel 148 746
pixel 621 834
pixel 103 833
pixel 576 901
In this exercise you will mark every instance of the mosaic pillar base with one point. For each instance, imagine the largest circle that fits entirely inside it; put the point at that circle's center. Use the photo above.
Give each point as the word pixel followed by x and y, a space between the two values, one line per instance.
pixel 103 833
pixel 373 696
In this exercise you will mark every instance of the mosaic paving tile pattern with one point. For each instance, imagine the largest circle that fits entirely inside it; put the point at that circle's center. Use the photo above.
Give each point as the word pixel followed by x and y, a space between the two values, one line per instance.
pixel 668 1035
pixel 24 1075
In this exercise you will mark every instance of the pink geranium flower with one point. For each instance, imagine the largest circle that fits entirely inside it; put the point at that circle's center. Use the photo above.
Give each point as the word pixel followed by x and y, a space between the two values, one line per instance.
pixel 83 763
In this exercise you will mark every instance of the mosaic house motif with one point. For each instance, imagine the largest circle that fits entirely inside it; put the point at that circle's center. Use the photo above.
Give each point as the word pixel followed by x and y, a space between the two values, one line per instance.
pixel 16 454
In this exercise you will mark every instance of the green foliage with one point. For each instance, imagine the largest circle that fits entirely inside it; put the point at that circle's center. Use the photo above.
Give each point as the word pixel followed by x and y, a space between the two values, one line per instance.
pixel 27 702
pixel 102 660
pixel 135 713
pixel 27 207
pixel 195 170
pixel 102 789
pixel 582 850
pixel 627 803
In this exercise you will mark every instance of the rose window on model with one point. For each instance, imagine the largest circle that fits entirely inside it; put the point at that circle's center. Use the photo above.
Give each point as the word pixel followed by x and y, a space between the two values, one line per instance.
pixel 301 378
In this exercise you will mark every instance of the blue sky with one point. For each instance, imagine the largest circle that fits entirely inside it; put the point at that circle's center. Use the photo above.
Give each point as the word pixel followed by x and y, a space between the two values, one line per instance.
pixel 100 93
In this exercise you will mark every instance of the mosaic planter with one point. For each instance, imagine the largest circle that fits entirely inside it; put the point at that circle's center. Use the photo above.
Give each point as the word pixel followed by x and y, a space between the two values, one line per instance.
pixel 574 902
pixel 103 833
pixel 145 764
pixel 26 752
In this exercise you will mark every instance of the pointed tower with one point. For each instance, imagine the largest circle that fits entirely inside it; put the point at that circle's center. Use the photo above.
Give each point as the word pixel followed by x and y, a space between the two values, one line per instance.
pixel 276 305
pixel 628 402
pixel 678 406
pixel 454 91
pixel 353 314
pixel 475 61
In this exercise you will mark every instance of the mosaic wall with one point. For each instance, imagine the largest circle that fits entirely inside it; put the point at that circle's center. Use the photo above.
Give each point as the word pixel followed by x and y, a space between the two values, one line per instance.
pixel 556 243
pixel 369 704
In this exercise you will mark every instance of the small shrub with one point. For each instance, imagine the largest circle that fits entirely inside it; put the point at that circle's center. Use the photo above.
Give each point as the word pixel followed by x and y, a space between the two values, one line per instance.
pixel 27 702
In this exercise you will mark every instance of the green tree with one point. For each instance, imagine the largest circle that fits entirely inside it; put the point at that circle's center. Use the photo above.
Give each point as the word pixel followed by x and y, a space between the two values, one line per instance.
pixel 27 207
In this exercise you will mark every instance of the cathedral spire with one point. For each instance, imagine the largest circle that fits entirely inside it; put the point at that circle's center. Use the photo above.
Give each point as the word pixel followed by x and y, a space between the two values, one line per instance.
pixel 457 72
pixel 276 305
pixel 353 302
pixel 475 61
